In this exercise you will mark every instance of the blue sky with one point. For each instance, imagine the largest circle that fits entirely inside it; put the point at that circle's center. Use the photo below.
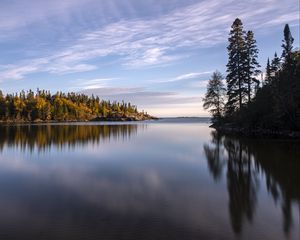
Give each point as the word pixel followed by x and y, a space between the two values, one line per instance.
pixel 157 54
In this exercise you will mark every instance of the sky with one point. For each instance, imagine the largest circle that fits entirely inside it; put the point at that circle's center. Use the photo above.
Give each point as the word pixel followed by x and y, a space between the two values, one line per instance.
pixel 157 54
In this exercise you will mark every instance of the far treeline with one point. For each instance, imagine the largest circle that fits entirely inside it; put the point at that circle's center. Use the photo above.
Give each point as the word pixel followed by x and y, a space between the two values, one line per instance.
pixel 249 100
pixel 43 106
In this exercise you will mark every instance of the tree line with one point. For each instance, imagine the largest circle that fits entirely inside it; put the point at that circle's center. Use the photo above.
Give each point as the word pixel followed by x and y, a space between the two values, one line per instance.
pixel 248 99
pixel 43 106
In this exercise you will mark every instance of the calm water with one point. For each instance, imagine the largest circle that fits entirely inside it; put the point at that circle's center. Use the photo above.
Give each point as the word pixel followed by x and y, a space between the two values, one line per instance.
pixel 171 179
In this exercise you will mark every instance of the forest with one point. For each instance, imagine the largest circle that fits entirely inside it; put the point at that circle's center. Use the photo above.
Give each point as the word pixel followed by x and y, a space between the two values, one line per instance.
pixel 42 106
pixel 252 99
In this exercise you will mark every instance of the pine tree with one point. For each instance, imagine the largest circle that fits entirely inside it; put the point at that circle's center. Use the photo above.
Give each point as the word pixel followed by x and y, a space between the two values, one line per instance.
pixel 2 106
pixel 268 72
pixel 214 97
pixel 236 67
pixel 275 65
pixel 297 89
pixel 252 64
pixel 283 72
pixel 287 44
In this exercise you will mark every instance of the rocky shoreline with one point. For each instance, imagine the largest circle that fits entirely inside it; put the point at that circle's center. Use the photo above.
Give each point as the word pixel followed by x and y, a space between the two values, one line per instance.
pixel 124 118
pixel 114 118
pixel 256 133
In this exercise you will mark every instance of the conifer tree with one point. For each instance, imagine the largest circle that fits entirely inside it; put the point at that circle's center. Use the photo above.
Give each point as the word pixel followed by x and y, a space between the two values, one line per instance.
pixel 2 106
pixel 214 97
pixel 236 90
pixel 276 105
pixel 275 65
pixel 287 44
pixel 252 66
pixel 286 80
pixel 297 89
pixel 268 72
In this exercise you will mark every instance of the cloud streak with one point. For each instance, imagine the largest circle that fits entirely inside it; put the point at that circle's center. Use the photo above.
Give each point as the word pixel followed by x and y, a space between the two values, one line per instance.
pixel 88 84
pixel 157 41
pixel 186 77
pixel 143 97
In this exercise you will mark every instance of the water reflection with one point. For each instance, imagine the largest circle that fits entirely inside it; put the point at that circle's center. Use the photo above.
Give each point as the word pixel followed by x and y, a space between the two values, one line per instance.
pixel 139 188
pixel 43 137
pixel 144 181
pixel 245 161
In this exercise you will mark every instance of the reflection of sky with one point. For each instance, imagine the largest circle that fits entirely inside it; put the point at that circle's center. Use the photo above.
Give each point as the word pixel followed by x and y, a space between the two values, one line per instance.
pixel 159 173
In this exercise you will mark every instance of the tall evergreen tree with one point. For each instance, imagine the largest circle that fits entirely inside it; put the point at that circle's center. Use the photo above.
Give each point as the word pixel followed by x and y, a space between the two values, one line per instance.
pixel 297 89
pixel 2 105
pixel 214 97
pixel 287 44
pixel 275 65
pixel 252 66
pixel 286 81
pixel 268 72
pixel 276 105
pixel 236 90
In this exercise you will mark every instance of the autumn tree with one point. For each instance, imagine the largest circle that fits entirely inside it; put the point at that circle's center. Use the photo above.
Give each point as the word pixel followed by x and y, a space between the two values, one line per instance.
pixel 42 106
pixel 2 106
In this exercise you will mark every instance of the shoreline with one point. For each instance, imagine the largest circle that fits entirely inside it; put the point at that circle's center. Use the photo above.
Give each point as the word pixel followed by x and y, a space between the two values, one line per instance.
pixel 257 133
pixel 98 119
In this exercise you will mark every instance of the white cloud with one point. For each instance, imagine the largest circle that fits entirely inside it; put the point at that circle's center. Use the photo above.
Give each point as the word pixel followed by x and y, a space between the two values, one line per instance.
pixel 284 18
pixel 17 72
pixel 191 75
pixel 20 14
pixel 64 69
pixel 89 84
pixel 184 77
pixel 156 41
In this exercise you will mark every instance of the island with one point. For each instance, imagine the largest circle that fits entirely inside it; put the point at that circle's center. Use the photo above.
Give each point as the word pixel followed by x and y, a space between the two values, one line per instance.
pixel 42 106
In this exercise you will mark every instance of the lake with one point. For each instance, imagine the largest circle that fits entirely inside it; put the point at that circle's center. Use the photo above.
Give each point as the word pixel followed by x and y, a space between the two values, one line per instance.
pixel 167 179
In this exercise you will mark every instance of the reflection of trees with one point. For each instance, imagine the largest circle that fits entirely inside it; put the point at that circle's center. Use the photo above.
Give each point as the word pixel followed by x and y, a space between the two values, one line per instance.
pixel 241 184
pixel 245 159
pixel 45 136
pixel 280 163
pixel 214 155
